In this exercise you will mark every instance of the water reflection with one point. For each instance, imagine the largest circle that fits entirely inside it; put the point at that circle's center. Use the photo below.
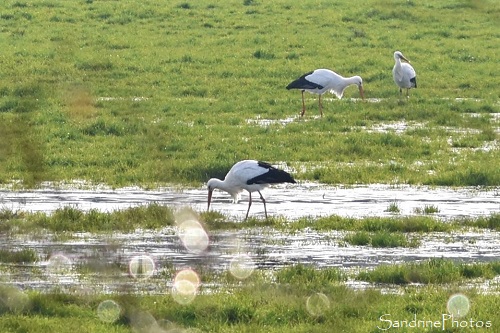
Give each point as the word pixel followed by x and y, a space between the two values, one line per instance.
pixel 102 263
pixel 268 250
pixel 291 201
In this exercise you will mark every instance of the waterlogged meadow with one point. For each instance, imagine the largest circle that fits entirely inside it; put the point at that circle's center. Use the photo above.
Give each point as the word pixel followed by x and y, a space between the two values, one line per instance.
pixel 201 273
pixel 125 93
pixel 149 94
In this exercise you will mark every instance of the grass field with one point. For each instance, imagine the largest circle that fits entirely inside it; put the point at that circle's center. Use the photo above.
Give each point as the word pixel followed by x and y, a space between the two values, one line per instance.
pixel 259 306
pixel 150 93
pixel 122 93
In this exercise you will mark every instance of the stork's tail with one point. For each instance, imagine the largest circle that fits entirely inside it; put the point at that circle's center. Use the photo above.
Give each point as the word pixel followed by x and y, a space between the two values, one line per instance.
pixel 273 176
pixel 276 176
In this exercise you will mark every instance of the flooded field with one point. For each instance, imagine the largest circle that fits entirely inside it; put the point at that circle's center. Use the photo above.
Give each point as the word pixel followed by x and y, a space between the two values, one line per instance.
pixel 291 201
pixel 99 264
pixel 105 258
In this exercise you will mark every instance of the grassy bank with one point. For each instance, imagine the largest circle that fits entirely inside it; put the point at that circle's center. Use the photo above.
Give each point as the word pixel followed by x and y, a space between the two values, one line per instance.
pixel 126 93
pixel 155 217
pixel 298 303
pixel 297 298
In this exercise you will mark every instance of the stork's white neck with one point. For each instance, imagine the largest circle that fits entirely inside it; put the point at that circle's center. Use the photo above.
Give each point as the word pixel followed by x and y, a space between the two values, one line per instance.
pixel 350 80
pixel 224 186
pixel 339 88
pixel 398 62
pixel 217 183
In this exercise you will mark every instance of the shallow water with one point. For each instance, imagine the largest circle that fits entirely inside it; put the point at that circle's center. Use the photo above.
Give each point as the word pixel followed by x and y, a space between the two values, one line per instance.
pixel 291 201
pixel 107 256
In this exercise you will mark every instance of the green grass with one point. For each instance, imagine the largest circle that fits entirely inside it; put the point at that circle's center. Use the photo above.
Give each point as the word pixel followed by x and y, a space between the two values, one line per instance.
pixel 18 256
pixel 393 208
pixel 374 224
pixel 491 222
pixel 258 305
pixel 155 216
pixel 266 302
pixel 434 271
pixel 310 277
pixel 68 220
pixel 143 93
pixel 127 93
pixel 428 209
pixel 381 239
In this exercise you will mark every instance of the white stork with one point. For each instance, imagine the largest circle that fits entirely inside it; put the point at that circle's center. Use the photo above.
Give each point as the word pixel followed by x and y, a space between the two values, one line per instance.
pixel 320 81
pixel 403 73
pixel 249 175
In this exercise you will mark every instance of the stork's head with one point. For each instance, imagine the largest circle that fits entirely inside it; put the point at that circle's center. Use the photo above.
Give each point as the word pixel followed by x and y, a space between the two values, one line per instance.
pixel 211 186
pixel 399 56
pixel 359 82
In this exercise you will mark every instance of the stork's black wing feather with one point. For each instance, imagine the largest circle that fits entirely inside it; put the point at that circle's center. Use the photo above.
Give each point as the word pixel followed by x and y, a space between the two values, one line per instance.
pixel 413 80
pixel 272 176
pixel 303 83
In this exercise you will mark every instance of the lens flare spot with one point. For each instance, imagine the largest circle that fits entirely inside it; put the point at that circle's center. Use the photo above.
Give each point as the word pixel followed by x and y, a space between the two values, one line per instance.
pixel 188 275
pixel 166 325
pixel 143 321
pixel 59 264
pixel 317 304
pixel 14 299
pixel 184 292
pixel 241 266
pixel 108 311
pixel 185 287
pixel 458 305
pixel 193 236
pixel 141 267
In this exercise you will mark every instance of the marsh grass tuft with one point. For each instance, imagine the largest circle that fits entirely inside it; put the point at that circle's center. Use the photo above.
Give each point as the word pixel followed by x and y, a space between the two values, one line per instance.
pixel 428 209
pixel 431 209
pixel 434 271
pixel 393 208
pixel 303 275
pixel 18 256
pixel 373 224
pixel 381 239
pixel 153 216
pixel 360 238
pixel 157 216
pixel 488 222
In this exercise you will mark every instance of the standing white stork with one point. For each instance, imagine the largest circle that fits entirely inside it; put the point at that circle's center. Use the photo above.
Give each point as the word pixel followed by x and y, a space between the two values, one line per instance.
pixel 249 175
pixel 320 81
pixel 403 73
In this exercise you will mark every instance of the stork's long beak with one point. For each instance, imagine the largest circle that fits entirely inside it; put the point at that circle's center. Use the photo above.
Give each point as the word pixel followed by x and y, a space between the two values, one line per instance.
pixel 404 58
pixel 361 92
pixel 209 199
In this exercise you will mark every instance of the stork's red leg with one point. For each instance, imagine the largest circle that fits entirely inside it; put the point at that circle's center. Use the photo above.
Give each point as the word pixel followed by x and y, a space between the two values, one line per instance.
pixel 320 106
pixel 264 201
pixel 249 204
pixel 303 105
